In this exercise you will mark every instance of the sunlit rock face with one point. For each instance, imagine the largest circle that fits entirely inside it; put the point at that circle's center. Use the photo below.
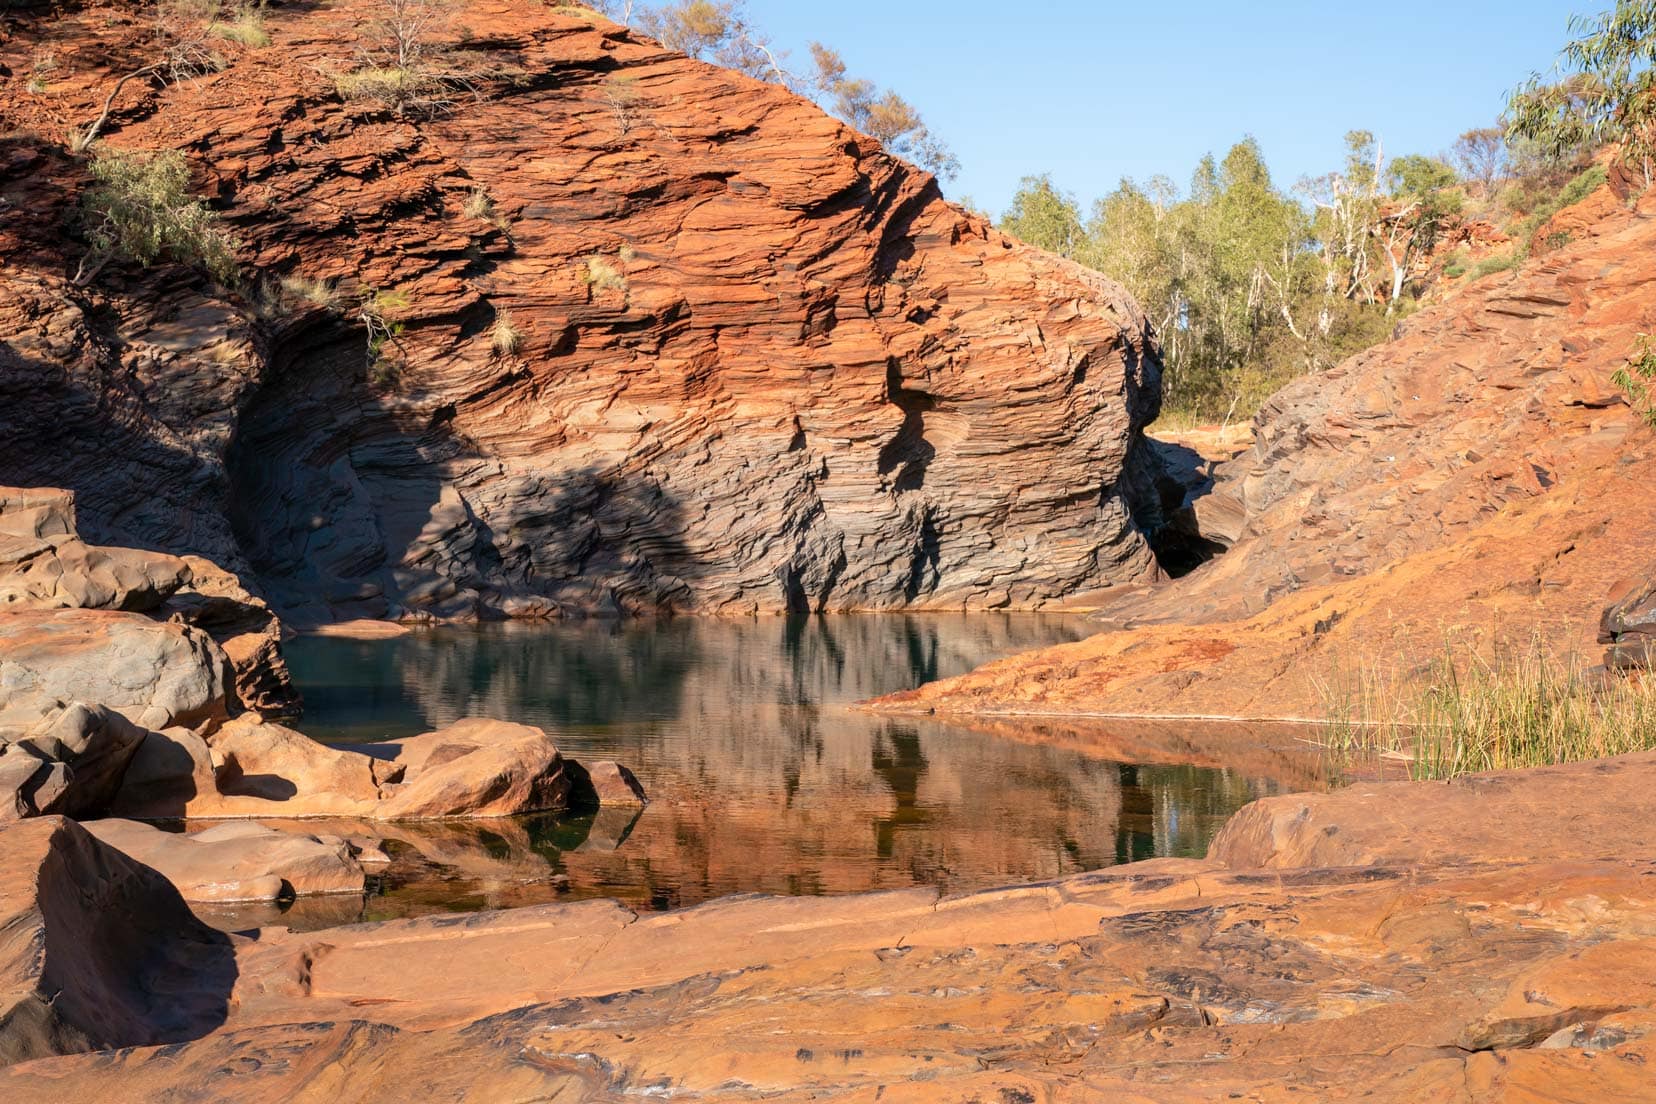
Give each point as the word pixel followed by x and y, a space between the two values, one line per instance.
pixel 759 364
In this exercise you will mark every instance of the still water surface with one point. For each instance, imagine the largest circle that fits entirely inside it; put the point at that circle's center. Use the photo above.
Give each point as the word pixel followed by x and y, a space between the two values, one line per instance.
pixel 761 777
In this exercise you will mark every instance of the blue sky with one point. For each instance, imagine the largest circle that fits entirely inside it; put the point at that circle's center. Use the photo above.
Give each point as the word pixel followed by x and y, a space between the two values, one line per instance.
pixel 1091 92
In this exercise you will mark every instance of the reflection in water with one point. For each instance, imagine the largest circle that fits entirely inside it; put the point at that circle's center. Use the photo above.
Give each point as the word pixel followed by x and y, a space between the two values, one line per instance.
pixel 761 778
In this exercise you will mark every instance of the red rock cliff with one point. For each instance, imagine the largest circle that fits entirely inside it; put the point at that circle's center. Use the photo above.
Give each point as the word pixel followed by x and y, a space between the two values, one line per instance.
pixel 763 365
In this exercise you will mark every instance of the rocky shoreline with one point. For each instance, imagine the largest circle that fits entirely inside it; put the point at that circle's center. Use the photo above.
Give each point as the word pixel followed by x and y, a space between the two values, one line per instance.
pixel 1502 951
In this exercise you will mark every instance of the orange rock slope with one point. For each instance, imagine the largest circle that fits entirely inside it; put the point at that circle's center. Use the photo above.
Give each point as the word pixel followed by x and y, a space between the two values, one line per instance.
pixel 760 364
pixel 1476 481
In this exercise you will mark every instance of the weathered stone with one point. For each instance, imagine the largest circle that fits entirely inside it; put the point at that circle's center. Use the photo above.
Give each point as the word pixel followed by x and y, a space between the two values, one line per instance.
pixel 154 673
pixel 1477 480
pixel 809 382
pixel 97 950
pixel 94 745
pixel 237 862
pixel 43 565
pixel 1485 971
pixel 614 784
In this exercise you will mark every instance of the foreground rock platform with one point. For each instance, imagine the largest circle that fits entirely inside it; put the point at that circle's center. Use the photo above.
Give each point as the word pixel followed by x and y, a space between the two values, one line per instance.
pixel 1514 964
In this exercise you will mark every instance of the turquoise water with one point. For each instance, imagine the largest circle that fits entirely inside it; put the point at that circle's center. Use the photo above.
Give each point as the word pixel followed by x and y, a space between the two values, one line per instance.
pixel 762 778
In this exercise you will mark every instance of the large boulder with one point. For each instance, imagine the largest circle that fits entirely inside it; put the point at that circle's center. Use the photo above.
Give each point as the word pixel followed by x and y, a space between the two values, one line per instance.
pixel 98 950
pixel 154 673
pixel 44 565
pixel 72 763
pixel 250 767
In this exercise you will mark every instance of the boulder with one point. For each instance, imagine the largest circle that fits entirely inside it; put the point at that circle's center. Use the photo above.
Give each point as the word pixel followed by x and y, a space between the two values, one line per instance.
pixel 480 768
pixel 613 784
pixel 44 565
pixel 238 862
pixel 81 755
pixel 154 673
pixel 1628 624
pixel 98 951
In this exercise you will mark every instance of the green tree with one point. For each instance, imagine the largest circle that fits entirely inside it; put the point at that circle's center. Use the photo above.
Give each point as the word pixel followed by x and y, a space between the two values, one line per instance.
pixel 1616 102
pixel 1044 217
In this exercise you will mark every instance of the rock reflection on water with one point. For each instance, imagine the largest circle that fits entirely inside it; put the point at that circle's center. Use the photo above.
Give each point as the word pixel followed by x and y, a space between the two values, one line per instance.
pixel 761 778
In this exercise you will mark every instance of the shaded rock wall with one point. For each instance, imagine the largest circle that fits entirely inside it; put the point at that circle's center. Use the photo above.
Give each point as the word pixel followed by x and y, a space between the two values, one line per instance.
pixel 803 380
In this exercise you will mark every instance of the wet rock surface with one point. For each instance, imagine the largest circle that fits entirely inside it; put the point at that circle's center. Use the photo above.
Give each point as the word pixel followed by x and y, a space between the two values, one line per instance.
pixel 760 364
pixel 1487 971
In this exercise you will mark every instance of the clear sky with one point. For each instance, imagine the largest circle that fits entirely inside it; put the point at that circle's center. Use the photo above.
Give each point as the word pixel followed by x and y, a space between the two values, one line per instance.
pixel 1093 91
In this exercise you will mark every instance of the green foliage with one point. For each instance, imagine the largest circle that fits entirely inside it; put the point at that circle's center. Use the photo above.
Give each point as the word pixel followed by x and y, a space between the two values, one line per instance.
pixel 139 208
pixel 1611 96
pixel 1502 262
pixel 1472 714
pixel 1044 217
pixel 1544 206
pixel 383 331
pixel 1638 379
pixel 1456 266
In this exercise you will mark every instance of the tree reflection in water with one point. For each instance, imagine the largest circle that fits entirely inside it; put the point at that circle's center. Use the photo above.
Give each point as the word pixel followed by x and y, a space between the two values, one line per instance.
pixel 762 778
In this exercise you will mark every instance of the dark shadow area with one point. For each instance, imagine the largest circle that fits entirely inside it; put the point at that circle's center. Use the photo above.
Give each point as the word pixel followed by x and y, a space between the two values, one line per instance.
pixel 345 502
pixel 125 962
pixel 1173 479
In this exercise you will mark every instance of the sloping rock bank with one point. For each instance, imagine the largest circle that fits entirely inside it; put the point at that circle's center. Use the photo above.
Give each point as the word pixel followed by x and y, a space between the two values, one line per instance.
pixel 759 364
pixel 1507 958
pixel 1478 481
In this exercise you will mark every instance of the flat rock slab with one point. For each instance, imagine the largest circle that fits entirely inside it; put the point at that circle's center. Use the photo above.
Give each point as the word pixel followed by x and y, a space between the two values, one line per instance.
pixel 238 862
pixel 1477 974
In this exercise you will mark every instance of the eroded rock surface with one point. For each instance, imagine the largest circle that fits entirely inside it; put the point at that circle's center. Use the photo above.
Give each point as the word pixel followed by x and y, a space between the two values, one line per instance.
pixel 249 767
pixel 1494 970
pixel 1479 482
pixel 760 364
pixel 236 863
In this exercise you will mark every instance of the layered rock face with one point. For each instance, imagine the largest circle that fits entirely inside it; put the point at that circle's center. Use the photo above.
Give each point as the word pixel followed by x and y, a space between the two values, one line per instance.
pixel 1499 960
pixel 759 363
pixel 1477 483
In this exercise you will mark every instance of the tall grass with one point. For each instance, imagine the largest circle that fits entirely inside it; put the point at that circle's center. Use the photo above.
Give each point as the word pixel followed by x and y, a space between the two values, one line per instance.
pixel 1468 714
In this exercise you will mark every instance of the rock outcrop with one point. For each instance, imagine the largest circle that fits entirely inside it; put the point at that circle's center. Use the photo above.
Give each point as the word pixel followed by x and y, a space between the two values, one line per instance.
pixel 1628 624
pixel 126 658
pixel 97 950
pixel 751 362
pixel 1478 482
pixel 248 768
pixel 1512 964
pixel 238 863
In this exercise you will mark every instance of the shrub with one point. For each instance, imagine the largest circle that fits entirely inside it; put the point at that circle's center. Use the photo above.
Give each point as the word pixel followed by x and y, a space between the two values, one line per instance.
pixel 1638 378
pixel 479 205
pixel 600 275
pixel 245 24
pixel 505 338
pixel 375 309
pixel 307 289
pixel 140 209
pixel 1502 263
pixel 1456 266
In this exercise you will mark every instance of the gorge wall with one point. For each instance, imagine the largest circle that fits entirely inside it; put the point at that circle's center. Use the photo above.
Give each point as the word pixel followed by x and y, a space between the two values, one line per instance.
pixel 1478 484
pixel 761 365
